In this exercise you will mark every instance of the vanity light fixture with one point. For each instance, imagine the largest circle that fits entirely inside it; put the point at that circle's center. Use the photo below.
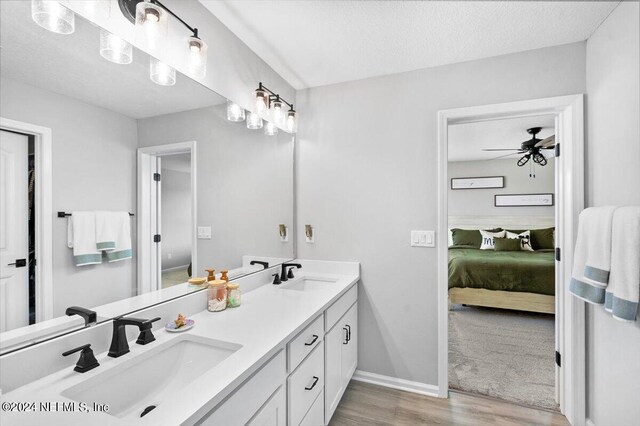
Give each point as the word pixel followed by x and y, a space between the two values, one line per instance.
pixel 93 8
pixel 115 49
pixel 161 73
pixel 235 112
pixel 269 102
pixel 53 16
pixel 152 24
pixel 254 121
pixel 270 129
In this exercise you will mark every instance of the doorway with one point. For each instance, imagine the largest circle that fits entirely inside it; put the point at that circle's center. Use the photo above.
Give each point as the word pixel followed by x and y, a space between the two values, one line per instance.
pixel 25 225
pixel 569 198
pixel 168 205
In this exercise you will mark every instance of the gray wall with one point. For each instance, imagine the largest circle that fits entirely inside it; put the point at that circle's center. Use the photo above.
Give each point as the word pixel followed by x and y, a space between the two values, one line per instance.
pixel 245 183
pixel 94 154
pixel 516 181
pixel 367 173
pixel 613 173
pixel 176 218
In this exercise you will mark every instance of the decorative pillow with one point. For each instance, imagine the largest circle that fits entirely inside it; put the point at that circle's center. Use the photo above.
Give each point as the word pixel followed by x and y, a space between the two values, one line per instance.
pixel 487 239
pixel 543 238
pixel 524 237
pixel 468 237
pixel 507 244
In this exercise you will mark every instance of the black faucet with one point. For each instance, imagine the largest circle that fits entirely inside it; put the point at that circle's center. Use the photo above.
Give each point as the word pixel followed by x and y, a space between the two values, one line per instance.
pixel 90 317
pixel 276 279
pixel 119 344
pixel 265 265
pixel 87 360
pixel 283 272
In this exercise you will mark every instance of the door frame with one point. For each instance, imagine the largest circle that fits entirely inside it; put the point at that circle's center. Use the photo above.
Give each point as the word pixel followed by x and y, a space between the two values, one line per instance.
pixel 570 317
pixel 149 252
pixel 44 212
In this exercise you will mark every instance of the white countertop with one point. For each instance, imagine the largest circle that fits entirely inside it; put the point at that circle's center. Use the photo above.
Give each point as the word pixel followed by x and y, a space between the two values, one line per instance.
pixel 267 319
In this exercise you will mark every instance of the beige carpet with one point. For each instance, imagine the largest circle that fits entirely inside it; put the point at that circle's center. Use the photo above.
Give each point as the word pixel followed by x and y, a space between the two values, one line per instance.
pixel 503 354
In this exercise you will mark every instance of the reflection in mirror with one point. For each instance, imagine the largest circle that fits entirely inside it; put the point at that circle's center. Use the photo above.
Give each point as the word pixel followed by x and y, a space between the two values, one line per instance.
pixel 86 136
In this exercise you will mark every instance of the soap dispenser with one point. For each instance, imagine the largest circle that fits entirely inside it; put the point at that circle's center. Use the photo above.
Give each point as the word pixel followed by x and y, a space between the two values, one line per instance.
pixel 224 276
pixel 212 274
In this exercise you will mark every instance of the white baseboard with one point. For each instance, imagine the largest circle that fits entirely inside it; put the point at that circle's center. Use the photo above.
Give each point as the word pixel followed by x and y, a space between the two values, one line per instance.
pixel 395 383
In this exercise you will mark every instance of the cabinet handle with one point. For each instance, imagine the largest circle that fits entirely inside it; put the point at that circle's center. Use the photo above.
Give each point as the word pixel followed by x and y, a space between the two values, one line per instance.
pixel 315 337
pixel 348 333
pixel 315 382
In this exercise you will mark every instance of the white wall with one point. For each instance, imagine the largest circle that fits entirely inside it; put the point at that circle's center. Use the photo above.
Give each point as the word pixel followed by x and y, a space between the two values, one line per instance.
pixel 367 173
pixel 245 183
pixel 176 218
pixel 613 174
pixel 94 154
pixel 516 181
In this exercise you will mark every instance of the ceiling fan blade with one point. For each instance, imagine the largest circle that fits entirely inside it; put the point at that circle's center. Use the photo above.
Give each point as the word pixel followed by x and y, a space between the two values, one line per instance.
pixel 503 156
pixel 503 149
pixel 547 142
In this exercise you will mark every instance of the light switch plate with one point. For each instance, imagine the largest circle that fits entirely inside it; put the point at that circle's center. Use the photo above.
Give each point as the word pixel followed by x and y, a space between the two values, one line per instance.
pixel 204 232
pixel 423 238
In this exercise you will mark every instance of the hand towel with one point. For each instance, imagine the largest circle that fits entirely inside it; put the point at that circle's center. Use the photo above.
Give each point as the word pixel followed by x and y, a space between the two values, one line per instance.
pixel 106 224
pixel 122 251
pixel 581 286
pixel 623 292
pixel 598 264
pixel 81 237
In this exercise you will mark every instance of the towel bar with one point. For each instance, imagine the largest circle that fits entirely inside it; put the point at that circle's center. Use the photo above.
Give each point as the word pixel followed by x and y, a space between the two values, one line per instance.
pixel 65 214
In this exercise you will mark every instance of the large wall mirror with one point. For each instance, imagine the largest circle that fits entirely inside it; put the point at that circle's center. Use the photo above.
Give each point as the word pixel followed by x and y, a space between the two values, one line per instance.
pixel 115 189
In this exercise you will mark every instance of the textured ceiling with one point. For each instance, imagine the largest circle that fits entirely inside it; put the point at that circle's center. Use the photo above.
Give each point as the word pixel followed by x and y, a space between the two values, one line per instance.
pixel 466 141
pixel 71 65
pixel 313 43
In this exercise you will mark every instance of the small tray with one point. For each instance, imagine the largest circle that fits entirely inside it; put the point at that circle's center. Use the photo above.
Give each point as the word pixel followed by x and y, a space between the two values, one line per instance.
pixel 171 326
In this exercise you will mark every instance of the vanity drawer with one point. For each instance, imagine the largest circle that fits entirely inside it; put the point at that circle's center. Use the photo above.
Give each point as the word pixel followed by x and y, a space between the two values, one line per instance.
pixel 305 384
pixel 305 342
pixel 315 416
pixel 340 306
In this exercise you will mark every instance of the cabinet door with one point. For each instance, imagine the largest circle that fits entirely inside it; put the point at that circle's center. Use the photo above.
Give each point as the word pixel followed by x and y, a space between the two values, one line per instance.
pixel 333 383
pixel 273 412
pixel 350 350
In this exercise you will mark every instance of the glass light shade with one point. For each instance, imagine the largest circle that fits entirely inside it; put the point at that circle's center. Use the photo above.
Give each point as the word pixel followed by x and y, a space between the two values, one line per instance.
pixel 152 24
pixel 115 49
pixel 261 103
pixel 235 112
pixel 197 57
pixel 277 113
pixel 93 8
pixel 161 73
pixel 254 121
pixel 292 121
pixel 270 129
pixel 53 16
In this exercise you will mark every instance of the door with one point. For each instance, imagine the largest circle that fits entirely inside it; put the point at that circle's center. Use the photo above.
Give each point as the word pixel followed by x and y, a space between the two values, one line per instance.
pixel 14 231
pixel 350 349
pixel 333 384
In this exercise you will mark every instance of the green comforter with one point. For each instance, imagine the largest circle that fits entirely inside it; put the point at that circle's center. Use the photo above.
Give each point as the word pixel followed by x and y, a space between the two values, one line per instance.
pixel 526 271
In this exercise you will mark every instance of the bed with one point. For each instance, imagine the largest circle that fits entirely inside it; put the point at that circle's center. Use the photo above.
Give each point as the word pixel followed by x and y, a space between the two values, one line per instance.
pixel 519 280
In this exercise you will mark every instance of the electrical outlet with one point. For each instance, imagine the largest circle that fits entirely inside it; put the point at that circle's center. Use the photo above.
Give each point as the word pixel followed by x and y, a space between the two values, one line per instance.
pixel 204 232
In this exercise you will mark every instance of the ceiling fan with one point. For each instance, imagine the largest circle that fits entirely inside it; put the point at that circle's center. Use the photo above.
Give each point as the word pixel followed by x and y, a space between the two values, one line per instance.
pixel 531 149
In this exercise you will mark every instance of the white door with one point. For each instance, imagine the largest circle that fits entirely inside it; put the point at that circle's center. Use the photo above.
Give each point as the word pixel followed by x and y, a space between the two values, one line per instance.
pixel 14 231
pixel 350 349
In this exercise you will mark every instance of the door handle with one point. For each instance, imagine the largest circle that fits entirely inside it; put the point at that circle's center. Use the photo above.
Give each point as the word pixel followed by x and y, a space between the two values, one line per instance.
pixel 315 382
pixel 315 337
pixel 19 263
pixel 346 335
pixel 348 332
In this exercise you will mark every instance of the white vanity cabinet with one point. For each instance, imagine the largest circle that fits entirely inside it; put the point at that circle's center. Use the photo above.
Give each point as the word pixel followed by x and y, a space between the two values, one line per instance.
pixel 273 412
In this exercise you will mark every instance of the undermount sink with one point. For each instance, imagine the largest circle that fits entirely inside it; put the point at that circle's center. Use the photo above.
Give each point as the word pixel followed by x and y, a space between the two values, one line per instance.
pixel 307 283
pixel 150 379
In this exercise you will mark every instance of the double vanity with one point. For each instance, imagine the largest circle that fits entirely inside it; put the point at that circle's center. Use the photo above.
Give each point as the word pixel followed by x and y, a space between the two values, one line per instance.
pixel 284 357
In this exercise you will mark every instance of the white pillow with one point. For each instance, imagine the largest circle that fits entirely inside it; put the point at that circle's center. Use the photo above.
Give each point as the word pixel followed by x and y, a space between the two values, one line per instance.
pixel 525 239
pixel 487 239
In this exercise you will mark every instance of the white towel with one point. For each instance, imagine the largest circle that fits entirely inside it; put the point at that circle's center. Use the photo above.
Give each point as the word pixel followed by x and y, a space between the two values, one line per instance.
pixel 589 241
pixel 81 237
pixel 598 264
pixel 122 251
pixel 623 292
pixel 106 225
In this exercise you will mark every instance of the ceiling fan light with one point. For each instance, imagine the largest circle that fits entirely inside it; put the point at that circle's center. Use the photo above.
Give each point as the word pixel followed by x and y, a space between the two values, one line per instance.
pixel 53 16
pixel 524 160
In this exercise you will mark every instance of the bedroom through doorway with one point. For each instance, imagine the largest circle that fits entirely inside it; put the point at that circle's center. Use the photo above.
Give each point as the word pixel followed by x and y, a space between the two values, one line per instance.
pixel 501 259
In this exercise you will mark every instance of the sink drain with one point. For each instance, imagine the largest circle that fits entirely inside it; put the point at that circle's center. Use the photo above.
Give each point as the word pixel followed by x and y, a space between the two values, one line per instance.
pixel 147 410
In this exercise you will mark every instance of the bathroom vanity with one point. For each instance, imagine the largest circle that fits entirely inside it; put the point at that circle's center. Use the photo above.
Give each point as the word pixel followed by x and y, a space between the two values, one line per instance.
pixel 284 357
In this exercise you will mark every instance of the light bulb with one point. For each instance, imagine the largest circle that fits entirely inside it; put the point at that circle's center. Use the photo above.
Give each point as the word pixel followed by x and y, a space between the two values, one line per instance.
pixel 115 49
pixel 197 57
pixel 277 113
pixel 161 73
pixel 270 129
pixel 53 16
pixel 261 103
pixel 292 121
pixel 235 112
pixel 254 121
pixel 152 24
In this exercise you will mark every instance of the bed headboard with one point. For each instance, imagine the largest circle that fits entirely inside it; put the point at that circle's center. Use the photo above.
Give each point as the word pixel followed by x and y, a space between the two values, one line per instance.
pixel 515 222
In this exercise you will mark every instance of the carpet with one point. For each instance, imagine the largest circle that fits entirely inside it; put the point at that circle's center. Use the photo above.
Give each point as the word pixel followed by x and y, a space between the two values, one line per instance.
pixel 504 354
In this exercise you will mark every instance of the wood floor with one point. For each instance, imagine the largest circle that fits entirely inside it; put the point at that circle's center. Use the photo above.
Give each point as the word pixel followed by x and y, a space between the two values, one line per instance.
pixel 365 404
